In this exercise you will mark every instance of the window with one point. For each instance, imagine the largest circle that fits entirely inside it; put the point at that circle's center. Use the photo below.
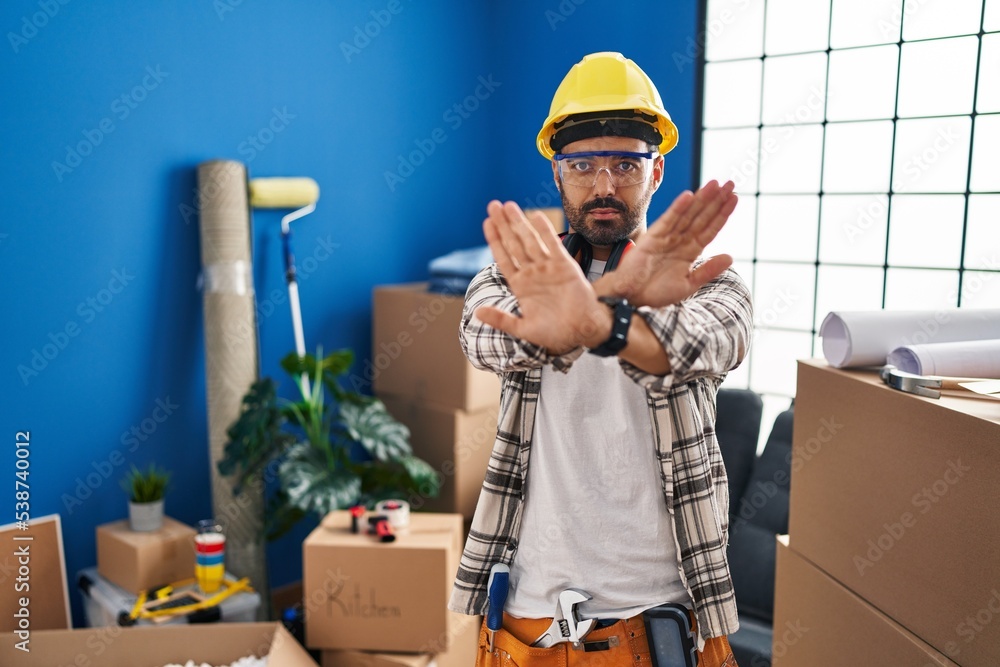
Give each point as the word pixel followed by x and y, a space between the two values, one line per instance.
pixel 862 137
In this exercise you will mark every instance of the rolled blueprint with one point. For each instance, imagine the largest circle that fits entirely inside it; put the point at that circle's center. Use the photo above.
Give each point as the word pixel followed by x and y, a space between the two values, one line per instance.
pixel 969 358
pixel 865 338
pixel 231 356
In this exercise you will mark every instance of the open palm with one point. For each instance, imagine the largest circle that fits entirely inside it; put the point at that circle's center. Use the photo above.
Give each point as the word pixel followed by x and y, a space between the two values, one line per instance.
pixel 559 308
pixel 657 272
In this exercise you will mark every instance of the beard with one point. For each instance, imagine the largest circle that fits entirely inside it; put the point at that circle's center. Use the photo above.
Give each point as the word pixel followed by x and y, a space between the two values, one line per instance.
pixel 606 232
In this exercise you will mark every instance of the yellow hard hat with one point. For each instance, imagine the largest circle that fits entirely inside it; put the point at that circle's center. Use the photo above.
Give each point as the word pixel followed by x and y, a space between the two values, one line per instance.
pixel 606 82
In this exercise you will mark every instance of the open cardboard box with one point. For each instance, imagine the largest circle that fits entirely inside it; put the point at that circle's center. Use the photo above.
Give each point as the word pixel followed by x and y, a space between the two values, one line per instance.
pixel 40 598
pixel 216 644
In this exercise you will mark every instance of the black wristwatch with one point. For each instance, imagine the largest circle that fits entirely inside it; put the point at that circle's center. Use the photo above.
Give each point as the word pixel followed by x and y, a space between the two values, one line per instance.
pixel 621 314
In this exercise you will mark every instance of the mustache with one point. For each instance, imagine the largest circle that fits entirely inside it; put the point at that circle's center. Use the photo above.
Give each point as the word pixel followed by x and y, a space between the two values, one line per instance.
pixel 605 202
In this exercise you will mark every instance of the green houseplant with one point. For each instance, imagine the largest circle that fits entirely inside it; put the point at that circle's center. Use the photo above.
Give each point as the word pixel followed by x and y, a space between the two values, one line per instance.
pixel 145 489
pixel 312 445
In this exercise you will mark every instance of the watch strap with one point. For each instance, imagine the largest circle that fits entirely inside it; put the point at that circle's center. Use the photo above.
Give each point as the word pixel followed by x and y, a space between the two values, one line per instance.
pixel 621 319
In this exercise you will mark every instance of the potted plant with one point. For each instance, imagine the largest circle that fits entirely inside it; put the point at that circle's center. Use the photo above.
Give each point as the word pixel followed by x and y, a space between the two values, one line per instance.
pixel 145 491
pixel 332 449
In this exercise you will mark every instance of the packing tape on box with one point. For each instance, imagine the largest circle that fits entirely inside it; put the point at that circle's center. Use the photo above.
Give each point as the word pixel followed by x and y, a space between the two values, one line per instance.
pixel 397 511
pixel 227 278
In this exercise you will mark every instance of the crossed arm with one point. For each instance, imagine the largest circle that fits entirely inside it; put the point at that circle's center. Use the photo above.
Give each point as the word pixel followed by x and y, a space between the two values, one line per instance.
pixel 557 310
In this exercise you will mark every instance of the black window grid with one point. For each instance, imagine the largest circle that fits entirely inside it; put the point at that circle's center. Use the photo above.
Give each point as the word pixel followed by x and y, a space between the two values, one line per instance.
pixel 890 193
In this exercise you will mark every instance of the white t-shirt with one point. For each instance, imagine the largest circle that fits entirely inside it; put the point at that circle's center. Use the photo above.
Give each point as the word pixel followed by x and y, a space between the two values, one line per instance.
pixel 594 513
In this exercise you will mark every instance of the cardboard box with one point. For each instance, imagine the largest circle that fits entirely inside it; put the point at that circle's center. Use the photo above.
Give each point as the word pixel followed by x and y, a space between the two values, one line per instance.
pixel 216 644
pixel 33 567
pixel 820 623
pixel 289 595
pixel 455 443
pixel 137 561
pixel 462 653
pixel 463 643
pixel 363 659
pixel 389 597
pixel 896 496
pixel 416 353
pixel 555 215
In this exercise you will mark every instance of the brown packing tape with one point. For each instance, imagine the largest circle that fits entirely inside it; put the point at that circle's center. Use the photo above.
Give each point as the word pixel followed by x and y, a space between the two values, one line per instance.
pixel 231 359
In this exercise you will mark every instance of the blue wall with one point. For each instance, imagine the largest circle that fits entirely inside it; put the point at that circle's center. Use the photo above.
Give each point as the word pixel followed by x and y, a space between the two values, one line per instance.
pixel 109 108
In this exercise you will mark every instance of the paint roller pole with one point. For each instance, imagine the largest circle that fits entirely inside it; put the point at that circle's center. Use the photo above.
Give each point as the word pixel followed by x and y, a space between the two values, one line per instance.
pixel 293 286
pixel 300 194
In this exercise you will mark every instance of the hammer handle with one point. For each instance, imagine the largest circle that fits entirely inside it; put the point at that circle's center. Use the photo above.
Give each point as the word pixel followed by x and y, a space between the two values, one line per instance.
pixel 955 383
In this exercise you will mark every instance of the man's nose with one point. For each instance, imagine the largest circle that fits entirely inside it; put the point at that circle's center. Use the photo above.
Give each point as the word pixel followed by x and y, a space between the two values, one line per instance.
pixel 605 185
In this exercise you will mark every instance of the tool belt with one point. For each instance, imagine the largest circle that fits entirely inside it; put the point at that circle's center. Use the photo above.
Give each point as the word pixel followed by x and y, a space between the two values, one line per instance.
pixel 622 643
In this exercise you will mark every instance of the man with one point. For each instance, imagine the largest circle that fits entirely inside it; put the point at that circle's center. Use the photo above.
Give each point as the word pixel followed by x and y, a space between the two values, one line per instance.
pixel 608 390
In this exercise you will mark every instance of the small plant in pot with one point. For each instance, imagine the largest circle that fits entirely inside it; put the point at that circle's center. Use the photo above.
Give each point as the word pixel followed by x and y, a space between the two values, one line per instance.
pixel 145 489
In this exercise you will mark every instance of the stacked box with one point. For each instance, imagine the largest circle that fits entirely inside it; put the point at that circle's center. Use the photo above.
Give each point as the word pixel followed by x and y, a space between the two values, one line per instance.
pixel 457 444
pixel 818 621
pixel 420 372
pixel 364 594
pixel 416 354
pixel 894 496
pixel 137 561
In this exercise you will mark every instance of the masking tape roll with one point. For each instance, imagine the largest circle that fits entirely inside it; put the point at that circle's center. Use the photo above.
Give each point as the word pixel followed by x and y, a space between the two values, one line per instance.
pixel 398 512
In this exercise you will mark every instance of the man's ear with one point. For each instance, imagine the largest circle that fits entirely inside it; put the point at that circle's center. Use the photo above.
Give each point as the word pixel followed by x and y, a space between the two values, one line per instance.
pixel 555 176
pixel 657 172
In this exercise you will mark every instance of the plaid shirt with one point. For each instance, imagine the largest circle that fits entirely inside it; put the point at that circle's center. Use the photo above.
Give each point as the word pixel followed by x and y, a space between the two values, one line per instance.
pixel 705 336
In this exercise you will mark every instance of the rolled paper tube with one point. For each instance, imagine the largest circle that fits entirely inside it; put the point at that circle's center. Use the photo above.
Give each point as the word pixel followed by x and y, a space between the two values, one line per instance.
pixel 865 338
pixel 231 356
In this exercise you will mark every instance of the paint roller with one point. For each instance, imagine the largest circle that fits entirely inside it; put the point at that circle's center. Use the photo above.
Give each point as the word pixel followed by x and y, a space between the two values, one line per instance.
pixel 300 194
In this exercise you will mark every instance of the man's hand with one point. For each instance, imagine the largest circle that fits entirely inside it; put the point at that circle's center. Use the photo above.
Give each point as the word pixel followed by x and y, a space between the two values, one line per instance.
pixel 559 308
pixel 657 272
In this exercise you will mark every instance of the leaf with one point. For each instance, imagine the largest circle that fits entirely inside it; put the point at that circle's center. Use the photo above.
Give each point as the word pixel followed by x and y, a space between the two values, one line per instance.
pixel 426 480
pixel 348 396
pixel 335 363
pixel 280 516
pixel 146 486
pixel 256 436
pixel 312 486
pixel 377 430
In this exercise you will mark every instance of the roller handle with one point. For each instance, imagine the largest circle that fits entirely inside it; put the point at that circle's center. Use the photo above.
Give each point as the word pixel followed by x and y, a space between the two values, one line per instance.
pixel 497 595
pixel 286 247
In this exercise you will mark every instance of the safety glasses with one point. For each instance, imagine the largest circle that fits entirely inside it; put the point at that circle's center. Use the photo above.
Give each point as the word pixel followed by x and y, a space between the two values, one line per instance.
pixel 623 168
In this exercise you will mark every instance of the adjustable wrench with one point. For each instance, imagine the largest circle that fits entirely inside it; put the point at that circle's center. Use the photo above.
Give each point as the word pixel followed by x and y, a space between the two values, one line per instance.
pixel 566 623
